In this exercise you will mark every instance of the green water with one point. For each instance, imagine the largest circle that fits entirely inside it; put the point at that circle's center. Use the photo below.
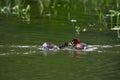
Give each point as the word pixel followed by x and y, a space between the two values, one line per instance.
pixel 30 63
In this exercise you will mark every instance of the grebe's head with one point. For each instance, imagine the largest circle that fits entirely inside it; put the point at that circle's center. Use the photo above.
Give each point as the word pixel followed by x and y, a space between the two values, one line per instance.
pixel 76 41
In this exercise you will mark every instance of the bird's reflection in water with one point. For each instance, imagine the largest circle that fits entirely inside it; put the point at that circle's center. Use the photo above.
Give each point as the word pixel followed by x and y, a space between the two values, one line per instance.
pixel 47 52
pixel 77 54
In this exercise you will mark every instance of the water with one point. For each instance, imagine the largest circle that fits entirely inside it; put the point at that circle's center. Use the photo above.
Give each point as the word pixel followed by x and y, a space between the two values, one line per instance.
pixel 37 49
pixel 28 62
pixel 20 43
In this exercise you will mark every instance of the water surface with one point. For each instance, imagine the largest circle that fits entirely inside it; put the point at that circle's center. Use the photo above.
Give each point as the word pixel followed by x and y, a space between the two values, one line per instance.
pixel 28 62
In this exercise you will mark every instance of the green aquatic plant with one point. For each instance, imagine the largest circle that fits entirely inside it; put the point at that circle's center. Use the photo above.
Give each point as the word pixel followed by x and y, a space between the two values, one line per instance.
pixel 99 11
pixel 26 14
pixel 107 2
pixel 118 20
pixel 20 11
pixel 77 30
pixel 42 4
pixel 53 7
pixel 112 14
pixel 100 14
pixel 116 14
pixel 69 15
pixel 46 3
pixel 6 8
pixel 117 4
pixel 85 5
pixel 18 7
pixel 41 7
pixel 118 32
pixel 118 26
